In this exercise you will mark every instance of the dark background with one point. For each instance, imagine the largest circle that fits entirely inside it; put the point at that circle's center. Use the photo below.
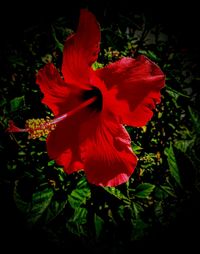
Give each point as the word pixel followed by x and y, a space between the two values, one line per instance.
pixel 179 18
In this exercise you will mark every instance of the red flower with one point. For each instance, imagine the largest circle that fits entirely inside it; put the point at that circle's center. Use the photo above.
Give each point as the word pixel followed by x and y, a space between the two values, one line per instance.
pixel 91 106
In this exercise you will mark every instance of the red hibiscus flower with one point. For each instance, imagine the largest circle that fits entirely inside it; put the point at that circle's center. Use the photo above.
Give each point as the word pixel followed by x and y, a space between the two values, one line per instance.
pixel 90 107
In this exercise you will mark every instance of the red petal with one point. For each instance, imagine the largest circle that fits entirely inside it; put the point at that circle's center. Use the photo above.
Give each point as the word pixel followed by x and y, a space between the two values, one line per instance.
pixel 81 49
pixel 63 145
pixel 106 153
pixel 58 96
pixel 134 88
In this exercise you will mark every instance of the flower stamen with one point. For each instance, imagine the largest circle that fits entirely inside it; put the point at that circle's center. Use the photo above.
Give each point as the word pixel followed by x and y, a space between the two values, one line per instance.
pixel 39 127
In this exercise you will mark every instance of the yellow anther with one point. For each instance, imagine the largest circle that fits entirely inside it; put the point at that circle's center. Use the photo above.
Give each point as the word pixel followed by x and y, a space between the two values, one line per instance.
pixel 39 127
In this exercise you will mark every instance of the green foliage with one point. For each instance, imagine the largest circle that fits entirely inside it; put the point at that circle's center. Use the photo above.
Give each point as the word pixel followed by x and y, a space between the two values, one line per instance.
pixel 79 195
pixel 76 223
pixel 36 206
pixel 99 224
pixel 173 168
pixel 97 65
pixel 17 103
pixel 54 209
pixel 143 190
pixel 117 194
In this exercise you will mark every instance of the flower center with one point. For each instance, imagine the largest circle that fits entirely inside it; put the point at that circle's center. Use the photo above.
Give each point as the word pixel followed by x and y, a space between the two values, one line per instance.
pixel 98 103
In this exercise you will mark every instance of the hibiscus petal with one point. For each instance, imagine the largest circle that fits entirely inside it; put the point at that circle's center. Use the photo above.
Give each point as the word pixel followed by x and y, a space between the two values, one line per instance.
pixel 58 96
pixel 106 153
pixel 133 89
pixel 81 49
pixel 63 145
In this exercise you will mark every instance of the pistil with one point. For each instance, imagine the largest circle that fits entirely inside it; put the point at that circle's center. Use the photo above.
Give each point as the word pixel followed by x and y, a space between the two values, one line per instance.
pixel 41 127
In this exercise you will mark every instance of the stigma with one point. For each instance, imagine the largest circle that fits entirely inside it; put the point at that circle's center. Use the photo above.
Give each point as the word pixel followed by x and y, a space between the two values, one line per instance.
pixel 36 128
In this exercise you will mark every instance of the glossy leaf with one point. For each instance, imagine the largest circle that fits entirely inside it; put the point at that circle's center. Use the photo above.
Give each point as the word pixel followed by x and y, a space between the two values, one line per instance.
pixel 34 208
pixel 149 54
pixel 163 191
pixel 58 44
pixel 17 103
pixel 195 117
pixel 54 209
pixel 143 190
pixel 96 65
pixel 173 167
pixel 117 194
pixel 99 223
pixel 40 201
pixel 76 223
pixel 79 195
pixel 175 94
pixel 184 145
pixel 137 209
pixel 80 215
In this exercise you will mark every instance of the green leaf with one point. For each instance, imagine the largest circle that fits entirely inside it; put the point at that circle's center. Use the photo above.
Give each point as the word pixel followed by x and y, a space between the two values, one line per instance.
pixel 16 60
pixel 80 215
pixel 163 191
pixel 168 190
pixel 2 102
pixel 40 202
pixel 22 205
pixel 80 195
pixel 152 55
pixel 149 54
pixel 33 208
pixel 51 163
pixel 195 117
pixel 59 45
pixel 121 211
pixel 117 194
pixel 76 229
pixel 183 145
pixel 99 223
pixel 143 190
pixel 21 153
pixel 173 167
pixel 139 229
pixel 97 65
pixel 174 93
pixel 137 208
pixel 17 103
pixel 54 209
pixel 76 224
pixel 137 149
pixel 158 209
